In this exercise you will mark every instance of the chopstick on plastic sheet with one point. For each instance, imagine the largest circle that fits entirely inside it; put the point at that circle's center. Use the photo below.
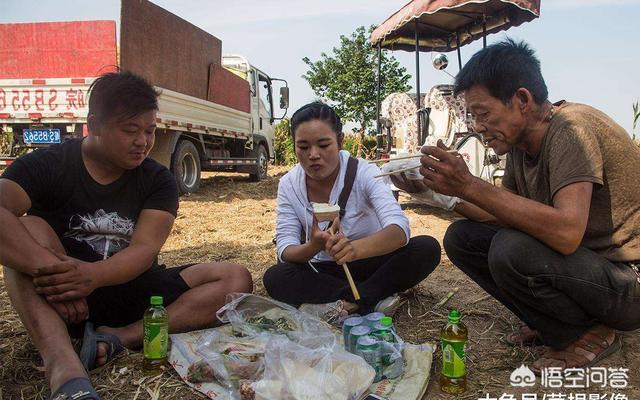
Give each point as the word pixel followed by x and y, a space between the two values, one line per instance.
pixel 352 284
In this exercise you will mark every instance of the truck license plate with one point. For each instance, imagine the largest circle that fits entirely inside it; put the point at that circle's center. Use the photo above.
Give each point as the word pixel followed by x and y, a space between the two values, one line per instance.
pixel 31 136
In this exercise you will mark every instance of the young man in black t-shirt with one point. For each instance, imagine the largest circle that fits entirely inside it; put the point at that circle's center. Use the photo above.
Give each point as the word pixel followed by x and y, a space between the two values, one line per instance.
pixel 97 214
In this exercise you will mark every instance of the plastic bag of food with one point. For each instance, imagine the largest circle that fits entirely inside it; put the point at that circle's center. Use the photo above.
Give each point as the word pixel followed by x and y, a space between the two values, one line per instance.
pixel 242 357
pixel 228 360
pixel 295 372
pixel 251 315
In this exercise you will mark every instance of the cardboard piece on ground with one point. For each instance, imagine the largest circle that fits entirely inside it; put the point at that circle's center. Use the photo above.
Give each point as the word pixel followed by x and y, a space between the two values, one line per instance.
pixel 411 385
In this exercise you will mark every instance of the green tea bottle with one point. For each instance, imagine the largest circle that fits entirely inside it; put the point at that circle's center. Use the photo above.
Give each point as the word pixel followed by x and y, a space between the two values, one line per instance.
pixel 156 337
pixel 453 337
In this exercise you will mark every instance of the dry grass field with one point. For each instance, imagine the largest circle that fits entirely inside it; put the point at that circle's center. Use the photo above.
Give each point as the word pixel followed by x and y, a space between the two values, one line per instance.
pixel 233 219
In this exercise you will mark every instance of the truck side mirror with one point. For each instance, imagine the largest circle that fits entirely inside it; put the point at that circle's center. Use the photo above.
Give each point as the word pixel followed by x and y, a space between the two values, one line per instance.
pixel 284 97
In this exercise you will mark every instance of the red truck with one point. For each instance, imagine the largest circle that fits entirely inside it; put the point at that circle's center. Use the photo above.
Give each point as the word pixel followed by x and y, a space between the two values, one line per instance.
pixel 215 112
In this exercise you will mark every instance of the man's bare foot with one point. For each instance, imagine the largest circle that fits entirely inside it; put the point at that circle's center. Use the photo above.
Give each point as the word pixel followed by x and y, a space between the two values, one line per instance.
pixel 127 335
pixel 102 349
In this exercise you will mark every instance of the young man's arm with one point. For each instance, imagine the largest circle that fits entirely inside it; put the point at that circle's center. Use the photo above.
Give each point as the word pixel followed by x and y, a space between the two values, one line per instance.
pixel 152 230
pixel 75 279
pixel 19 250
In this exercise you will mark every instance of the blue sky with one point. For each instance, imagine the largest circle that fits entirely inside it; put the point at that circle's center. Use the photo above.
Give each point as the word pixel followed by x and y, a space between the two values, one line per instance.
pixel 589 49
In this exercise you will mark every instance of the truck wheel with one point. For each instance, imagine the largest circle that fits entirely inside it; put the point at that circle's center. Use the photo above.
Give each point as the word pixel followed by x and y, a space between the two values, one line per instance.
pixel 185 166
pixel 263 164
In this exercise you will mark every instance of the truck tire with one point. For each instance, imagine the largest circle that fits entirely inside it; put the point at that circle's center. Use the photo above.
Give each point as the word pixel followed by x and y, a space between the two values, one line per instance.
pixel 185 166
pixel 263 164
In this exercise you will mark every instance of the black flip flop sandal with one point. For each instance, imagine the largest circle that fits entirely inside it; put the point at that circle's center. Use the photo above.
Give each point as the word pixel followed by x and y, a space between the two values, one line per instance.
pixel 89 349
pixel 75 389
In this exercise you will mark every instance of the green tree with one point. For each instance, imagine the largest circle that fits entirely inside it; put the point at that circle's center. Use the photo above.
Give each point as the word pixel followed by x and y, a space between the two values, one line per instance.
pixel 347 79
pixel 285 153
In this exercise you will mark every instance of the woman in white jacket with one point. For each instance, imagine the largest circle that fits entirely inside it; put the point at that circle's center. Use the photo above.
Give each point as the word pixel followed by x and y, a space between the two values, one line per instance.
pixel 373 238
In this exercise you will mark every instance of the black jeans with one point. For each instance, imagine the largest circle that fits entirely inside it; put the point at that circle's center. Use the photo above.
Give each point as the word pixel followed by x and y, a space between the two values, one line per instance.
pixel 559 296
pixel 375 277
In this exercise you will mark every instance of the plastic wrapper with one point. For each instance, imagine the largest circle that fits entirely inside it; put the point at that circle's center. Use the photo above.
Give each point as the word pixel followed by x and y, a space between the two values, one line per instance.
pixel 395 165
pixel 274 351
pixel 296 372
pixel 411 385
pixel 251 315
pixel 331 313
pixel 389 363
pixel 392 357
pixel 228 360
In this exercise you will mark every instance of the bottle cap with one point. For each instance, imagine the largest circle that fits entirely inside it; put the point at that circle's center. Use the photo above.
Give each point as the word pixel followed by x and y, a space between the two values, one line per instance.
pixel 454 316
pixel 386 321
pixel 156 300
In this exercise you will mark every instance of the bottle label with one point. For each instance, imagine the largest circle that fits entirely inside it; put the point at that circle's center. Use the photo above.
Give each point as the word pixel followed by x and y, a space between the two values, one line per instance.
pixel 155 340
pixel 453 359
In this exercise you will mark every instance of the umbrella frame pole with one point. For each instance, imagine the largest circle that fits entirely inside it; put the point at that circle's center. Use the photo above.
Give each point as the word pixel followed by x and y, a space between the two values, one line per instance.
pixel 484 31
pixel 379 141
pixel 458 50
pixel 417 50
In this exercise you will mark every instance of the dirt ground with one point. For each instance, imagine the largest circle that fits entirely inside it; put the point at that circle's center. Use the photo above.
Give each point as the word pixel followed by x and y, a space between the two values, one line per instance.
pixel 233 219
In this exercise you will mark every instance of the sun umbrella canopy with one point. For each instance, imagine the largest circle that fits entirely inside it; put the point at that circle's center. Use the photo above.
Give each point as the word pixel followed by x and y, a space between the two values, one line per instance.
pixel 442 24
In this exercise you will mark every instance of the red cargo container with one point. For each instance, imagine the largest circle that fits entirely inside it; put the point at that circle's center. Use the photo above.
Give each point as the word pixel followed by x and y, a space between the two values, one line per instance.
pixel 74 49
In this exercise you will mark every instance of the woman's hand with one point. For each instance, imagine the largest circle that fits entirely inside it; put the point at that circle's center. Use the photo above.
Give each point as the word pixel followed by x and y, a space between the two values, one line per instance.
pixel 319 237
pixel 340 247
pixel 306 251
